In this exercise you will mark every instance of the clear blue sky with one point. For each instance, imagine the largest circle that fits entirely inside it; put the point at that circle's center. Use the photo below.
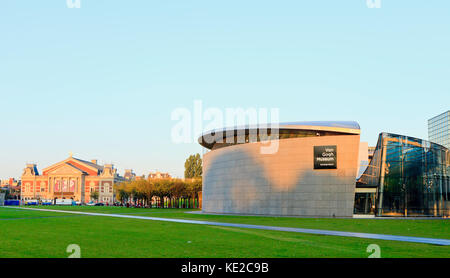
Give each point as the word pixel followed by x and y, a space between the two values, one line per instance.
pixel 102 81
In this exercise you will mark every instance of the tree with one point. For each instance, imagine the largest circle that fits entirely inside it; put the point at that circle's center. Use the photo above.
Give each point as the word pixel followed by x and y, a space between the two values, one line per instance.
pixel 121 192
pixel 162 189
pixel 193 187
pixel 178 190
pixel 147 189
pixel 193 166
pixel 7 193
pixel 121 195
pixel 175 191
pixel 94 195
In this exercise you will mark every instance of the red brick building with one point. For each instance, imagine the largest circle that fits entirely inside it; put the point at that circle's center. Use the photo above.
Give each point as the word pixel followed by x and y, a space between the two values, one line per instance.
pixel 72 178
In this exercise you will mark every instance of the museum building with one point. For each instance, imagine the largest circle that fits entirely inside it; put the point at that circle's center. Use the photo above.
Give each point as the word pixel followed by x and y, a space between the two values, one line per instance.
pixel 315 171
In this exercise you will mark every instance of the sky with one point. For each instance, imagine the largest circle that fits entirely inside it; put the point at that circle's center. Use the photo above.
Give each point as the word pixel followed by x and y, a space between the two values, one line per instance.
pixel 102 81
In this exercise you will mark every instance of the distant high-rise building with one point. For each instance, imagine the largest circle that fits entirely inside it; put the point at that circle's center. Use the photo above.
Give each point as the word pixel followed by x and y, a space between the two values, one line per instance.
pixel 439 129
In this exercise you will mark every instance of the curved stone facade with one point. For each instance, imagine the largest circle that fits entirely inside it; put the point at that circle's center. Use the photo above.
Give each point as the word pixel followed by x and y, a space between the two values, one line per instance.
pixel 239 179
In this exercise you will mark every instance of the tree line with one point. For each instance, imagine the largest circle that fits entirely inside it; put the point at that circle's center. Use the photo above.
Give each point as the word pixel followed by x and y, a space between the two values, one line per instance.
pixel 172 193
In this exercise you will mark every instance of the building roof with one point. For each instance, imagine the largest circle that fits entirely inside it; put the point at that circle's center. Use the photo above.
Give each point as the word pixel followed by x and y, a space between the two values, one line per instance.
pixel 338 126
pixel 332 124
pixel 98 167
pixel 442 115
pixel 82 165
pixel 343 127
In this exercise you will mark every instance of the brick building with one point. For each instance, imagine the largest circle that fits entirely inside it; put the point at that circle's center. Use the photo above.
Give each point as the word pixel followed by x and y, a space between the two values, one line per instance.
pixel 72 178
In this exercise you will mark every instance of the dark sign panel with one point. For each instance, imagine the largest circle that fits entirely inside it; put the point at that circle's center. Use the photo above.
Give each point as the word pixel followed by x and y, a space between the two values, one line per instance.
pixel 325 157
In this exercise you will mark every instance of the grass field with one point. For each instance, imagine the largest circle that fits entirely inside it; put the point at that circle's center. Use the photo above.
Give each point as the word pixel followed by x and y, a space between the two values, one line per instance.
pixel 25 233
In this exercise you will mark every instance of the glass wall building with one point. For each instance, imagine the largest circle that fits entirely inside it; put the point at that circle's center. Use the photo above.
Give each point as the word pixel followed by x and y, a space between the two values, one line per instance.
pixel 410 177
pixel 439 129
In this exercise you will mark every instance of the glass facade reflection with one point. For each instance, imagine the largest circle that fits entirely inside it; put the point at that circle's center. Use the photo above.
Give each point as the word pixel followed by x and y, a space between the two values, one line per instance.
pixel 411 176
pixel 439 129
pixel 364 203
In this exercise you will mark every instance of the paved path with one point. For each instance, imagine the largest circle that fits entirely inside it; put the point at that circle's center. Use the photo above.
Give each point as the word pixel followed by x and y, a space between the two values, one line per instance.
pixel 435 241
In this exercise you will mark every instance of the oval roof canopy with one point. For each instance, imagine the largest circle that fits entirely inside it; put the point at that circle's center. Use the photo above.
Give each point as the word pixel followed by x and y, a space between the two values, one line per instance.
pixel 343 124
pixel 345 127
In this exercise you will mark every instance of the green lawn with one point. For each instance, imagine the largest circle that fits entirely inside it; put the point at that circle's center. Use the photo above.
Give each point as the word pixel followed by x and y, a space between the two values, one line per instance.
pixel 25 233
pixel 434 228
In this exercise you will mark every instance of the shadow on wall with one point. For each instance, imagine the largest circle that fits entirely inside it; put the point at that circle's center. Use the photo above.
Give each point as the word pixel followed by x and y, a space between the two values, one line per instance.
pixel 239 179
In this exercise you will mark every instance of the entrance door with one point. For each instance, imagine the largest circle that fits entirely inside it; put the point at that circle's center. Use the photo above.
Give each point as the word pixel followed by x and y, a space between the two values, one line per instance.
pixel 364 203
